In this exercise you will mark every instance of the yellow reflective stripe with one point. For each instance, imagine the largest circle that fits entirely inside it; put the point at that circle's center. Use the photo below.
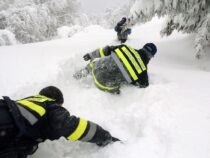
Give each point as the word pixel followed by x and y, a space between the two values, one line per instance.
pixel 39 98
pixel 37 108
pixel 91 65
pixel 79 130
pixel 126 63
pixel 132 59
pixel 101 51
pixel 138 57
pixel 105 88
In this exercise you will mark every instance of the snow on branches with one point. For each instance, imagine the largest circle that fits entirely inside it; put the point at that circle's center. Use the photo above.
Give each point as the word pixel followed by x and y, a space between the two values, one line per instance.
pixel 188 16
pixel 36 20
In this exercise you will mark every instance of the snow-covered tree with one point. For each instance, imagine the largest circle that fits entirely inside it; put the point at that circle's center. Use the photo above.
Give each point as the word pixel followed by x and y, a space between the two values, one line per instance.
pixel 114 15
pixel 188 16
pixel 63 10
pixel 38 20
pixel 31 24
pixel 7 38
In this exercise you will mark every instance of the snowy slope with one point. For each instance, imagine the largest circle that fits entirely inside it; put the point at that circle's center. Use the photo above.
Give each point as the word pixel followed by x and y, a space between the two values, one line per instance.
pixel 169 119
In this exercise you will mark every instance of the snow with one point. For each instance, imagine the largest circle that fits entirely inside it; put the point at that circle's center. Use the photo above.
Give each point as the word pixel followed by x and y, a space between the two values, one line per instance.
pixel 98 7
pixel 7 38
pixel 65 31
pixel 169 119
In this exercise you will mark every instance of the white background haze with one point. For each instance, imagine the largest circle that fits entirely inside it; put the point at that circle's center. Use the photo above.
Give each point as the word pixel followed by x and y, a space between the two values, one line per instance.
pixel 99 6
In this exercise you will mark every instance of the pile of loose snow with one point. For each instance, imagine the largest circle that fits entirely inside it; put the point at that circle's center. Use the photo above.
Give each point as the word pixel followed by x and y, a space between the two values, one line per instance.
pixel 169 119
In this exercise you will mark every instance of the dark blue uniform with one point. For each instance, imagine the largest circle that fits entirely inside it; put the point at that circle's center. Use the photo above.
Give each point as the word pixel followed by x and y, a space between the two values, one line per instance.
pixel 117 65
pixel 27 122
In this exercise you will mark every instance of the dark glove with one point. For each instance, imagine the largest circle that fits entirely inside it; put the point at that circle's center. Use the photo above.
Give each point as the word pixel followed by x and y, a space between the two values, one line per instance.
pixel 105 139
pixel 114 139
pixel 87 57
pixel 104 143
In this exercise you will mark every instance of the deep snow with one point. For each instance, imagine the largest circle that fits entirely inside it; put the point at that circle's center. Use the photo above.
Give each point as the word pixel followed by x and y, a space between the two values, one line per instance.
pixel 169 119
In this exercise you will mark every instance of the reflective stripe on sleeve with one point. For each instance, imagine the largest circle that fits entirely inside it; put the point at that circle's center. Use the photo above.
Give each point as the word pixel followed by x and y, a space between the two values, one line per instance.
pixel 91 65
pixel 37 108
pixel 101 51
pixel 127 64
pixel 105 88
pixel 91 132
pixel 79 130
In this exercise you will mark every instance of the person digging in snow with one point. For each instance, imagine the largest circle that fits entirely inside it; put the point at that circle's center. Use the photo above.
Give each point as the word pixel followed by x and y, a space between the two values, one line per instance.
pixel 118 65
pixel 122 30
pixel 27 122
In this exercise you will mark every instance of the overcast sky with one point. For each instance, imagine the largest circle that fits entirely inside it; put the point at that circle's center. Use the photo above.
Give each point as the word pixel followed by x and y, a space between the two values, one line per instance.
pixel 98 6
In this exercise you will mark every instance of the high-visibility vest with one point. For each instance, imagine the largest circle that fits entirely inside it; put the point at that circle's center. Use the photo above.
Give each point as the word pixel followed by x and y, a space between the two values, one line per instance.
pixel 33 108
pixel 129 62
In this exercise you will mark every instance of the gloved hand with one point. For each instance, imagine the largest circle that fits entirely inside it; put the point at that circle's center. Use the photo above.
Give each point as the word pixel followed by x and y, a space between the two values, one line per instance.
pixel 105 139
pixel 114 139
pixel 87 57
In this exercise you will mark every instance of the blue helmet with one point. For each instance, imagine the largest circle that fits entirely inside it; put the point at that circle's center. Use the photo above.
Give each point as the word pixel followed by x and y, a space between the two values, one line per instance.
pixel 124 18
pixel 150 49
pixel 53 93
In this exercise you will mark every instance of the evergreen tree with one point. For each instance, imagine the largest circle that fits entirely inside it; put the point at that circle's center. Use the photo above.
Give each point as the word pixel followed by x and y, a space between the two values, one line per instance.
pixel 188 16
pixel 36 20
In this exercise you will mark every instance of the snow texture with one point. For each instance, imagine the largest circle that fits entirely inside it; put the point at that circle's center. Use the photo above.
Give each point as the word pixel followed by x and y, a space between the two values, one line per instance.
pixel 37 20
pixel 186 16
pixel 7 38
pixel 169 119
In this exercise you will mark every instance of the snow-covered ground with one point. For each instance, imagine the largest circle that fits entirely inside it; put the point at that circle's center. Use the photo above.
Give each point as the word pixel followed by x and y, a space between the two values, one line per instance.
pixel 169 119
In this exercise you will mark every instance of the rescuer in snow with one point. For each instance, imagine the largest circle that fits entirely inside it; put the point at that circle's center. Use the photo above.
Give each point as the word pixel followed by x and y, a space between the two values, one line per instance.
pixel 122 30
pixel 118 65
pixel 27 122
